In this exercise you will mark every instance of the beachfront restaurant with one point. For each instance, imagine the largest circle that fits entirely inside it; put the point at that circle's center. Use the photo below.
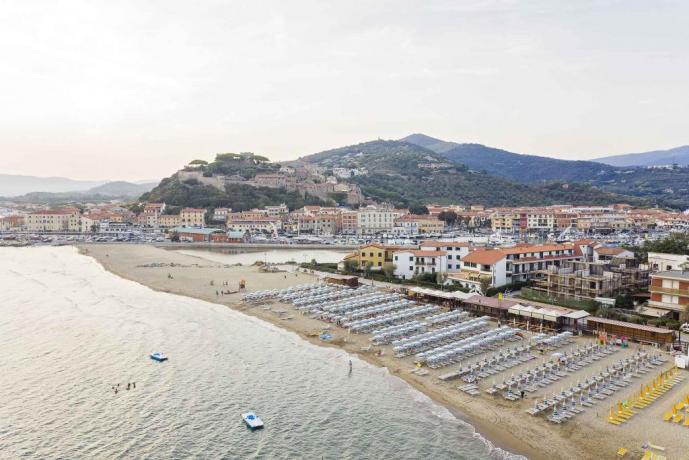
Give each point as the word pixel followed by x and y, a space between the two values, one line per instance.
pixel 491 306
pixel 450 299
pixel 638 332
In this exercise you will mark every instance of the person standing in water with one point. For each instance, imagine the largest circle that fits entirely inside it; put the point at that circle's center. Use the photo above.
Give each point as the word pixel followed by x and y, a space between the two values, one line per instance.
pixel 350 366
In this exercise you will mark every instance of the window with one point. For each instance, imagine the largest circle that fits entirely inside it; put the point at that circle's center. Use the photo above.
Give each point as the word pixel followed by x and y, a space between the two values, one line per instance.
pixel 371 254
pixel 380 264
pixel 411 258
pixel 670 299
pixel 670 284
pixel 411 268
pixel 395 257
pixel 449 257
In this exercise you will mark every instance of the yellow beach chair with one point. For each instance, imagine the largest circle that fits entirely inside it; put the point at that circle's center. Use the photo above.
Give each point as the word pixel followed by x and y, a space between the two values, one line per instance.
pixel 686 422
pixel 677 418
pixel 648 455
pixel 667 416
pixel 621 452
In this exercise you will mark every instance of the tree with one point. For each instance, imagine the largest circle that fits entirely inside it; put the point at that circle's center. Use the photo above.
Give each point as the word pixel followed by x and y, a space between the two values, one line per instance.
pixel 174 237
pixel 367 269
pixel 684 315
pixel 418 209
pixel 350 266
pixel 485 285
pixel 389 269
pixel 624 301
pixel 450 217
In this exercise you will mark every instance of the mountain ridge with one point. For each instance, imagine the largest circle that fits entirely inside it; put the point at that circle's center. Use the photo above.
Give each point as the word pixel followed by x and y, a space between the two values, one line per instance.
pixel 676 155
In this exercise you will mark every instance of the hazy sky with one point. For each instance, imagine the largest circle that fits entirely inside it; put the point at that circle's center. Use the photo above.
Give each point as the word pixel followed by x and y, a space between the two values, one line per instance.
pixel 134 90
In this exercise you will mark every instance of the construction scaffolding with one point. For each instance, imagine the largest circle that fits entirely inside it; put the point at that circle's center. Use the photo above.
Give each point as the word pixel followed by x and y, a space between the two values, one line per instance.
pixel 589 280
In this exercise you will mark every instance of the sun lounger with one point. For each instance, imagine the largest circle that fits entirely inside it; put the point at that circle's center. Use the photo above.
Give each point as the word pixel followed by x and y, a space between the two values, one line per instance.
pixel 621 452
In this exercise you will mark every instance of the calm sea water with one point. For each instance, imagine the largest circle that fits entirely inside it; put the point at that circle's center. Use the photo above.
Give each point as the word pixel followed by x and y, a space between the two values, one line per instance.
pixel 69 331
pixel 273 256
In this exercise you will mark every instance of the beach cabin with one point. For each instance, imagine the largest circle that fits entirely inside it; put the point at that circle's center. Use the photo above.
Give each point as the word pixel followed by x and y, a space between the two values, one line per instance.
pixel 638 332
pixel 491 306
pixel 342 280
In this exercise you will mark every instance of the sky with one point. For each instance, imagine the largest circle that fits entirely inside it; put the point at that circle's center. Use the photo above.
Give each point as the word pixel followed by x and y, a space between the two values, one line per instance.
pixel 133 90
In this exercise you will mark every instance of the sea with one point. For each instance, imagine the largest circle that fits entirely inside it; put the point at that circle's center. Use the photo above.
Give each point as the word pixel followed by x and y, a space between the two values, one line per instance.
pixel 71 333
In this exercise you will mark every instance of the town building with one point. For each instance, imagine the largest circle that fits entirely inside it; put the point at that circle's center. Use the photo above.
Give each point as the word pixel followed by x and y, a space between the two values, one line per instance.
pixel 193 217
pixel 455 252
pixel 592 280
pixel 169 220
pixel 151 213
pixel 220 214
pixel 408 263
pixel 372 219
pixel 256 225
pixel 658 261
pixel 419 224
pixel 54 220
pixel 670 291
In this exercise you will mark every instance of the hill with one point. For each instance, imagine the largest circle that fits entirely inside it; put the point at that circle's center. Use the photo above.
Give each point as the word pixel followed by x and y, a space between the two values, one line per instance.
pixel 121 189
pixel 660 186
pixel 109 191
pixel 677 155
pixel 431 143
pixel 525 168
pixel 179 191
pixel 14 185
pixel 404 174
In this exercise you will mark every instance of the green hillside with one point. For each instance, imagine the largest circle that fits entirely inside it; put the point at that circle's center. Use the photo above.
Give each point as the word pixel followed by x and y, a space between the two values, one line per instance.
pixel 658 186
pixel 395 176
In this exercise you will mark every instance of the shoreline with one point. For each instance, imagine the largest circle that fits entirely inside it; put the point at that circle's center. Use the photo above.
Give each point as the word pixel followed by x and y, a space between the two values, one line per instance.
pixel 504 425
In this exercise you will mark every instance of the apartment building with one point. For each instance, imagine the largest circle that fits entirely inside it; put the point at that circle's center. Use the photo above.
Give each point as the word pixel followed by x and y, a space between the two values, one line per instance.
pixel 583 280
pixel 514 264
pixel 454 250
pixel 54 220
pixel 255 225
pixel 9 223
pixel 169 220
pixel 377 255
pixel 658 261
pixel 151 212
pixel 220 214
pixel 409 263
pixel 505 221
pixel 479 265
pixel 372 220
pixel 349 222
pixel 420 225
pixel 670 291
pixel 193 217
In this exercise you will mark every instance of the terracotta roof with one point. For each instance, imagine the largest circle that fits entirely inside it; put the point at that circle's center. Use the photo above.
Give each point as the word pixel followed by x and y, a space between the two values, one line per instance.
pixel 484 256
pixel 492 302
pixel 536 248
pixel 609 251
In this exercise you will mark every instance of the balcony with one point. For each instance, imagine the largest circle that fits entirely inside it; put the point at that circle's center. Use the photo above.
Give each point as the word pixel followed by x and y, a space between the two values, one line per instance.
pixel 670 291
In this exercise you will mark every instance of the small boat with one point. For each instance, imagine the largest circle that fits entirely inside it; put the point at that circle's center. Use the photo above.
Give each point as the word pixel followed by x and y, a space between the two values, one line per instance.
pixel 252 420
pixel 158 356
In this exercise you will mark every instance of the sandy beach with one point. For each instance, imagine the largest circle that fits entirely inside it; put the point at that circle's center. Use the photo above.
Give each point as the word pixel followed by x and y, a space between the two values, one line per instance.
pixel 505 423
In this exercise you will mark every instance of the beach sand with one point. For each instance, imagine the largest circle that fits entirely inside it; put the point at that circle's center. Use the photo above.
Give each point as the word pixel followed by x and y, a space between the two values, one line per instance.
pixel 504 423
